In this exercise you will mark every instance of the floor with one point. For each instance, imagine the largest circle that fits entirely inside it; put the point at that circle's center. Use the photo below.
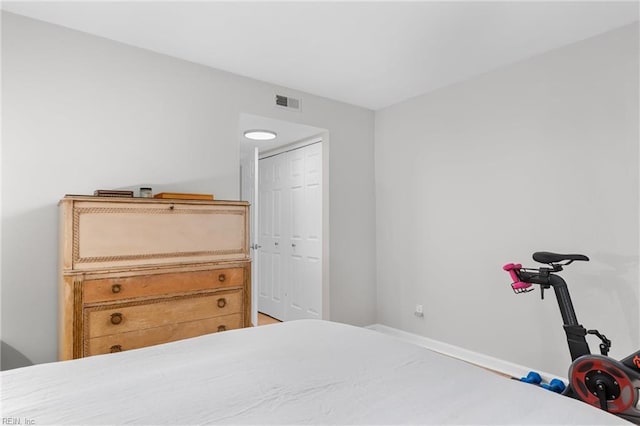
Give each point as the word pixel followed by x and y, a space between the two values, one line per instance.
pixel 266 319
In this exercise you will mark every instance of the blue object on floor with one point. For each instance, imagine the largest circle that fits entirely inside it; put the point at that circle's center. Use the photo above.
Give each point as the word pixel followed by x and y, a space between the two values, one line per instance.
pixel 555 385
pixel 532 377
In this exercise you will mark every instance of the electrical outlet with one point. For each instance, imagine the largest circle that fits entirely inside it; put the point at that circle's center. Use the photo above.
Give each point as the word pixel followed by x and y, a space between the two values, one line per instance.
pixel 419 312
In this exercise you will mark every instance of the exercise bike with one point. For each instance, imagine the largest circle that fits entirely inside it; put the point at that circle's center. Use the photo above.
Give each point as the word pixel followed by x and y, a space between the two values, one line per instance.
pixel 598 380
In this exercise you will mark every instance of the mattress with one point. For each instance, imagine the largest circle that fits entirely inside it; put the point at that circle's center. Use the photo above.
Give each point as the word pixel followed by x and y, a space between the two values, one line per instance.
pixel 299 372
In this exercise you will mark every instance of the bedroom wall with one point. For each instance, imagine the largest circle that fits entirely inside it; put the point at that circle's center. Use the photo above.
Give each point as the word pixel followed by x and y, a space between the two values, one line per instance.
pixel 539 155
pixel 81 113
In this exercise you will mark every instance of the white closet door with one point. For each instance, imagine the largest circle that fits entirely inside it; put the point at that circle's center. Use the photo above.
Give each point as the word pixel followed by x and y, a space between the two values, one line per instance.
pixel 304 294
pixel 271 204
pixel 290 205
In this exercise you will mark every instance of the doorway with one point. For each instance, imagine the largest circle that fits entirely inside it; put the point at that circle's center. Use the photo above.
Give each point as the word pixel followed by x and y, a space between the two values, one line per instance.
pixel 286 183
pixel 290 233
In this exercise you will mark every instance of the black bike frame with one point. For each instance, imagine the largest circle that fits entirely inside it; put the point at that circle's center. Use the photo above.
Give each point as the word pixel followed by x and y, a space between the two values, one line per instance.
pixel 575 332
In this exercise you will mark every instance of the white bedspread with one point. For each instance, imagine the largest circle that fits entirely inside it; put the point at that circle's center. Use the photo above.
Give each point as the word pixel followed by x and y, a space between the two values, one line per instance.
pixel 301 372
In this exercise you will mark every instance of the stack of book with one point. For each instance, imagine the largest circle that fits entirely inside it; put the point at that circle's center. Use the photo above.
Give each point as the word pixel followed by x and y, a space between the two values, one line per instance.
pixel 112 193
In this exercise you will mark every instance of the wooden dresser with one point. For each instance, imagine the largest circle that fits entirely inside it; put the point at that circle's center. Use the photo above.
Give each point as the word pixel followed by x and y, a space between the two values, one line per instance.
pixel 136 272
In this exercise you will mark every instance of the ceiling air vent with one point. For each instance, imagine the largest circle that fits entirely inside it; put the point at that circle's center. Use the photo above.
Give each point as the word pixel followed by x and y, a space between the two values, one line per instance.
pixel 287 102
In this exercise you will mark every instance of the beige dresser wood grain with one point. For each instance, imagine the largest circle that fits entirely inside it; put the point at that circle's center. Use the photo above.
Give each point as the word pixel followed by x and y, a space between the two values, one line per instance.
pixel 138 272
pixel 118 288
pixel 168 333
pixel 107 234
pixel 120 318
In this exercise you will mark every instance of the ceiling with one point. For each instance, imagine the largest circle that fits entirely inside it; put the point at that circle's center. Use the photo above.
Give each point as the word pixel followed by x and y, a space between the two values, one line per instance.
pixel 370 54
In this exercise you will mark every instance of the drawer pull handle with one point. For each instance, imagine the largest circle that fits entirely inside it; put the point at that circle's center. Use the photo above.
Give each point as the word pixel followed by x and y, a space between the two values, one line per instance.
pixel 222 328
pixel 116 318
pixel 116 348
pixel 221 278
pixel 222 302
pixel 116 288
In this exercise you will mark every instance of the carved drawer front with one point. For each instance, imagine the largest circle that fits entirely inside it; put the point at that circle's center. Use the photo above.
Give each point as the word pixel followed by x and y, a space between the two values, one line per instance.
pixel 122 318
pixel 168 333
pixel 107 235
pixel 104 290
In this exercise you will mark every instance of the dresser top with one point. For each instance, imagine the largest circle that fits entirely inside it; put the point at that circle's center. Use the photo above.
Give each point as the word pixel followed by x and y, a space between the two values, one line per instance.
pixel 71 197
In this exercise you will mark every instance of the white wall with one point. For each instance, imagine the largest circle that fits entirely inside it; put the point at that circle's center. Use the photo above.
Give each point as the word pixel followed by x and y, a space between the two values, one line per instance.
pixel 82 113
pixel 540 155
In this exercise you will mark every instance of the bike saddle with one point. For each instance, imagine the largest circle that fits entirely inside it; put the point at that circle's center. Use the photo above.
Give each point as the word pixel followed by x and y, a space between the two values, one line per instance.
pixel 548 257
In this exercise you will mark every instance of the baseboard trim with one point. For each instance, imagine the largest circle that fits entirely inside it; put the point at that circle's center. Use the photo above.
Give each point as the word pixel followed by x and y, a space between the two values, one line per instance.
pixel 482 360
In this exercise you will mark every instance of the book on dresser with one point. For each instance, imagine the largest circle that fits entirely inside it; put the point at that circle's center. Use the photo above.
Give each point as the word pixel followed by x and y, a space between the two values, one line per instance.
pixel 138 272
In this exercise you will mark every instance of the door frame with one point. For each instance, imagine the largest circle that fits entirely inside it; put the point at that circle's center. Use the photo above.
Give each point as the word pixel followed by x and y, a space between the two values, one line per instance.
pixel 253 220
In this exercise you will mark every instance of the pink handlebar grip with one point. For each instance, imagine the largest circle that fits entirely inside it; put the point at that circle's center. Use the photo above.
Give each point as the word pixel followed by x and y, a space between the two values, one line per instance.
pixel 517 285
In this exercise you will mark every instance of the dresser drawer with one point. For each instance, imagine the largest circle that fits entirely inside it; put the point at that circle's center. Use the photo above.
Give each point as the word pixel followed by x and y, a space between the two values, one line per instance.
pixel 110 289
pixel 153 336
pixel 121 318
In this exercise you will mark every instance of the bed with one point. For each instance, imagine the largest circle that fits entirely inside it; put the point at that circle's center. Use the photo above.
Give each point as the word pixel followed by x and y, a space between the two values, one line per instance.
pixel 299 372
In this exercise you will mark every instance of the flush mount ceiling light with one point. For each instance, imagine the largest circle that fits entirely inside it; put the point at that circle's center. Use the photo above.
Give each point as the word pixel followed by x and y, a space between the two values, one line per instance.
pixel 260 135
